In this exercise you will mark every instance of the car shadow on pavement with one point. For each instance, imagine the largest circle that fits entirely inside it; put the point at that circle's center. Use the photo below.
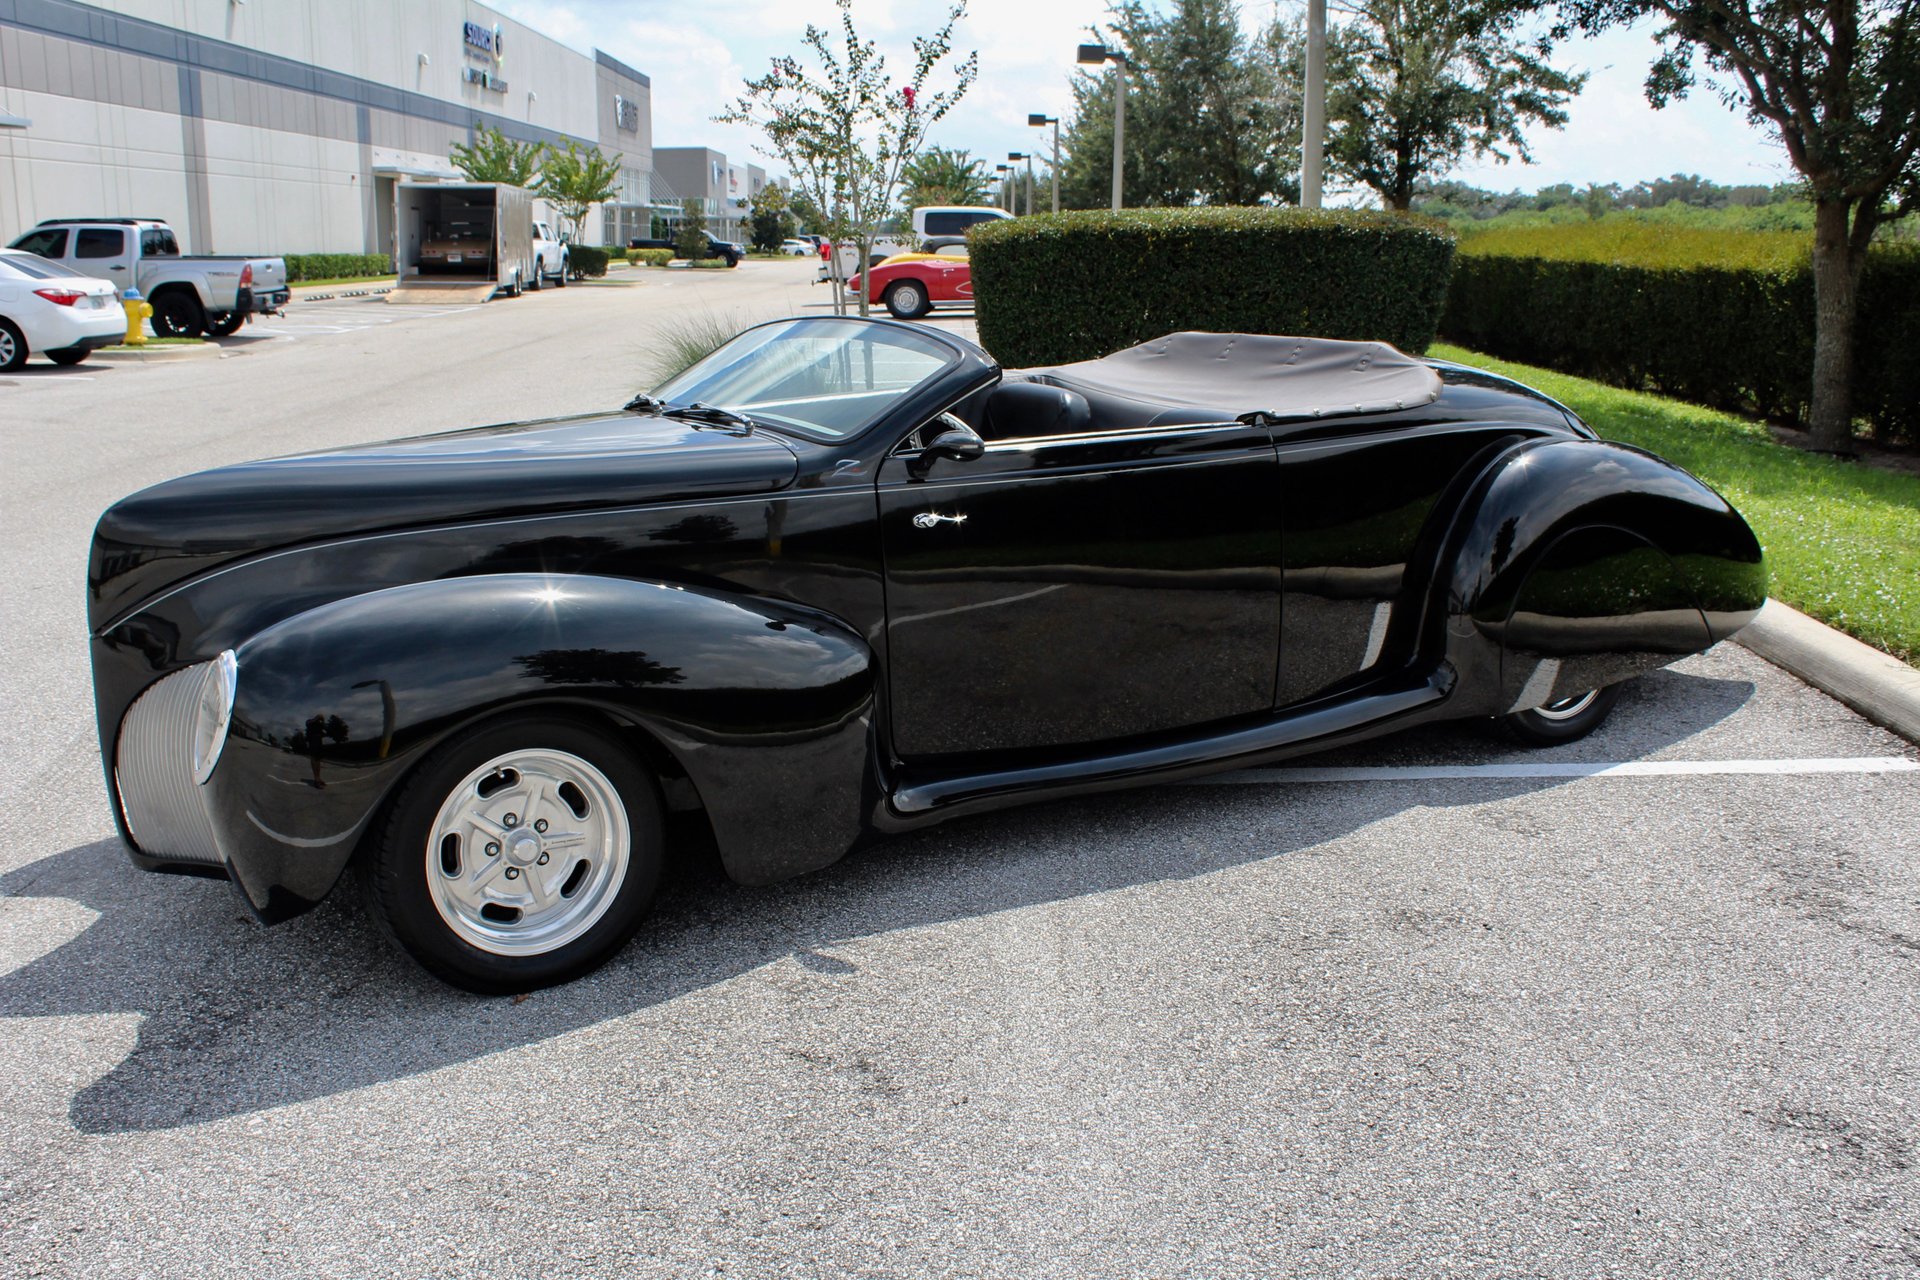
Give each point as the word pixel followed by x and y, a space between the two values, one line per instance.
pixel 236 1018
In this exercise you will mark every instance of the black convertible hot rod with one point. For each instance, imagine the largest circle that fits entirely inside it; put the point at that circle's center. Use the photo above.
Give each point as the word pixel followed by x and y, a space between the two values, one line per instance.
pixel 843 577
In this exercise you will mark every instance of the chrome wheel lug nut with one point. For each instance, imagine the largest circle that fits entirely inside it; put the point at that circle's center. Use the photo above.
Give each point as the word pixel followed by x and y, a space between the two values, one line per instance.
pixel 544 859
pixel 540 824
pixel 513 873
pixel 511 820
pixel 493 850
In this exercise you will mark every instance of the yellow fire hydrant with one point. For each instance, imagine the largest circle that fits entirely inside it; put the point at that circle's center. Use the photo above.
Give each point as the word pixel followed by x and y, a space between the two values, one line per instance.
pixel 138 313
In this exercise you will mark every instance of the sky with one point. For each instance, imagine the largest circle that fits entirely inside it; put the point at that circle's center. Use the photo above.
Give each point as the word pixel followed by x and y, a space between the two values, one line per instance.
pixel 698 56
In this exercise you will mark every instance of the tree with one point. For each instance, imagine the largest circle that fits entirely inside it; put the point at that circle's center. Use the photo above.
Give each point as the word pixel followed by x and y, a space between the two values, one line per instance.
pixel 1839 84
pixel 576 178
pixel 942 176
pixel 1212 118
pixel 494 157
pixel 843 130
pixel 690 241
pixel 1417 85
pixel 772 222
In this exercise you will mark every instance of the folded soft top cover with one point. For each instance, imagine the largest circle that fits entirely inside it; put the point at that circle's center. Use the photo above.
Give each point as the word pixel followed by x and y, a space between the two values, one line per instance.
pixel 1242 374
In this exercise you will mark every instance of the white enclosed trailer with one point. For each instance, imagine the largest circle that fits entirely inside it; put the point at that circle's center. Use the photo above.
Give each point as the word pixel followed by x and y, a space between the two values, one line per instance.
pixel 467 239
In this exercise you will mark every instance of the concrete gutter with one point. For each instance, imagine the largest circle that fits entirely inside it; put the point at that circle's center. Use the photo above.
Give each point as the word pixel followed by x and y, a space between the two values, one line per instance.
pixel 1882 688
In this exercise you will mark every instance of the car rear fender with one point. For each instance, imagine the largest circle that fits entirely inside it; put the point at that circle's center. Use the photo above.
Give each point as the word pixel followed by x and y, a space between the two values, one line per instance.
pixel 1578 563
pixel 766 706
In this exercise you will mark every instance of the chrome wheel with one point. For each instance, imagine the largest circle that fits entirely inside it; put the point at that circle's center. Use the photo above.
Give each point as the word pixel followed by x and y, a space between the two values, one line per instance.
pixel 527 852
pixel 12 349
pixel 1567 708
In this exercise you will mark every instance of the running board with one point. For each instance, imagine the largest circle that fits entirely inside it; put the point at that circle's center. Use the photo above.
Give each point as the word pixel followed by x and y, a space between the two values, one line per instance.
pixel 1382 707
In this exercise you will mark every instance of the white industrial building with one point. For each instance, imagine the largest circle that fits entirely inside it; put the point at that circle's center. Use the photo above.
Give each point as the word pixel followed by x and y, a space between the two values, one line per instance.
pixel 281 125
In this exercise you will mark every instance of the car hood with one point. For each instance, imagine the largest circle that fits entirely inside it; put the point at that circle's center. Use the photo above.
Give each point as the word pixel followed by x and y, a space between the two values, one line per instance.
pixel 184 527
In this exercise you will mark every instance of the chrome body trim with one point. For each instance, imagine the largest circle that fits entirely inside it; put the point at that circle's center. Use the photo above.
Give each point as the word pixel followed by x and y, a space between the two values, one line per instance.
pixel 153 772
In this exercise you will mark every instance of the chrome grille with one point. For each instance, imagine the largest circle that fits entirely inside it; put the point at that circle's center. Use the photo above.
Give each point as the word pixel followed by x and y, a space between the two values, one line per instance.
pixel 153 770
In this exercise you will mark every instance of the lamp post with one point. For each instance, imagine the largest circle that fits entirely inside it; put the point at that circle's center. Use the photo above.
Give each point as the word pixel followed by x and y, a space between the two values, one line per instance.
pixel 1094 55
pixel 1028 157
pixel 1006 185
pixel 1039 120
pixel 1314 111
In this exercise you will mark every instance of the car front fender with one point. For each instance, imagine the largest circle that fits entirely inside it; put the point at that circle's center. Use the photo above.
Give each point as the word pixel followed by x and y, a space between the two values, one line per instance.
pixel 1583 562
pixel 766 706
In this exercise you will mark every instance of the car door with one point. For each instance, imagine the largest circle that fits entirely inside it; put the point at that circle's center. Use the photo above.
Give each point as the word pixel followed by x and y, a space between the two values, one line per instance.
pixel 101 252
pixel 1056 593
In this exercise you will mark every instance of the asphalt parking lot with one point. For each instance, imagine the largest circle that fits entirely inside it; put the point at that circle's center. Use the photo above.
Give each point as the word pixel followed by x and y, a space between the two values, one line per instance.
pixel 1434 1006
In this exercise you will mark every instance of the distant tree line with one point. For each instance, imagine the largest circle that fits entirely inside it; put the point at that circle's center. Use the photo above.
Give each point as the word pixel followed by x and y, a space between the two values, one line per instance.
pixel 1446 198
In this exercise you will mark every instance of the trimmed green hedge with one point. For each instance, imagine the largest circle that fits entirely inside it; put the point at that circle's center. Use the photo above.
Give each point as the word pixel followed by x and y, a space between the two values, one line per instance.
pixel 651 257
pixel 586 260
pixel 335 266
pixel 1727 322
pixel 1054 288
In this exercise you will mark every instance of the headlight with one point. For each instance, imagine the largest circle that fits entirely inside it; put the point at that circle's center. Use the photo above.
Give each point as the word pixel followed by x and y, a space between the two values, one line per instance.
pixel 214 712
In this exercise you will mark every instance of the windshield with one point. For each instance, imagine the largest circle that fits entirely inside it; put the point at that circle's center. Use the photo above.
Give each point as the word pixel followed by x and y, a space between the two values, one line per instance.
pixel 825 379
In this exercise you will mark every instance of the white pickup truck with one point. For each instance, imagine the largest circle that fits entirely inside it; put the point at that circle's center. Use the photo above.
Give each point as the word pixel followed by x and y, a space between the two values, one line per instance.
pixel 550 257
pixel 190 295
pixel 927 221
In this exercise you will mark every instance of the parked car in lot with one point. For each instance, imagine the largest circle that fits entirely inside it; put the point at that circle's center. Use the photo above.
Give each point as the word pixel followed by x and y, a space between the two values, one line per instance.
pixel 549 257
pixel 912 285
pixel 847 577
pixel 796 248
pixel 191 295
pixel 45 309
pixel 716 248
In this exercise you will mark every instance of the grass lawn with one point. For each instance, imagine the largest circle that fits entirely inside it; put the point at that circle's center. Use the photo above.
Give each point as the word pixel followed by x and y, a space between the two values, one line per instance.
pixel 1842 539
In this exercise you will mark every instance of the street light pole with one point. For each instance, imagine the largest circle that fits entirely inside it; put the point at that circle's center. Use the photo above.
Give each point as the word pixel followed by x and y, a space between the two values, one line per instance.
pixel 1028 157
pixel 1038 120
pixel 1005 187
pixel 1314 115
pixel 1093 55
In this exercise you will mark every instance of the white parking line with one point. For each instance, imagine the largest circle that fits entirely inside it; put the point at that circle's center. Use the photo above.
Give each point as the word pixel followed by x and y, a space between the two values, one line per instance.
pixel 1620 769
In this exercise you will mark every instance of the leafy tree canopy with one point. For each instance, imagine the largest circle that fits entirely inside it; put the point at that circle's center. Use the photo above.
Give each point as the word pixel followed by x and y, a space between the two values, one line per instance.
pixel 939 175
pixel 494 157
pixel 575 179
pixel 1415 86
pixel 771 221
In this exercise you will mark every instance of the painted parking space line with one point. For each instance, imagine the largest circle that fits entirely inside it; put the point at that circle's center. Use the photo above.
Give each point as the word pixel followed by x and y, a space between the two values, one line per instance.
pixel 1547 769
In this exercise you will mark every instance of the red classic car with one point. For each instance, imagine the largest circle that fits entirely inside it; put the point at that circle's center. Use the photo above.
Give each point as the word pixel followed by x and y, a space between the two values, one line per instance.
pixel 912 284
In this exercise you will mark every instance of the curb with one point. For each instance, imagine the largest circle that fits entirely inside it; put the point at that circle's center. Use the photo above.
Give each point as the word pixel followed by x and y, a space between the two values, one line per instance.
pixel 159 353
pixel 370 292
pixel 1882 688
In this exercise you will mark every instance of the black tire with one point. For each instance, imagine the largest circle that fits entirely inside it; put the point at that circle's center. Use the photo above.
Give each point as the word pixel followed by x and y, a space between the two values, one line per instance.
pixel 560 281
pixel 1566 720
pixel 539 281
pixel 907 300
pixel 69 355
pixel 177 314
pixel 13 347
pixel 224 324
pixel 398 860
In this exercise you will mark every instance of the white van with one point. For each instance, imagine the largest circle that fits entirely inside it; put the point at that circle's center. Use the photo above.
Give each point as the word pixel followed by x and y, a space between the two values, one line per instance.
pixel 951 219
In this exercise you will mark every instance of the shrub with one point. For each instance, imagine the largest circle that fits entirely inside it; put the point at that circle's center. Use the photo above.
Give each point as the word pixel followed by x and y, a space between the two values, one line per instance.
pixel 706 264
pixel 685 341
pixel 653 257
pixel 1060 287
pixel 302 267
pixel 587 260
pixel 1718 318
